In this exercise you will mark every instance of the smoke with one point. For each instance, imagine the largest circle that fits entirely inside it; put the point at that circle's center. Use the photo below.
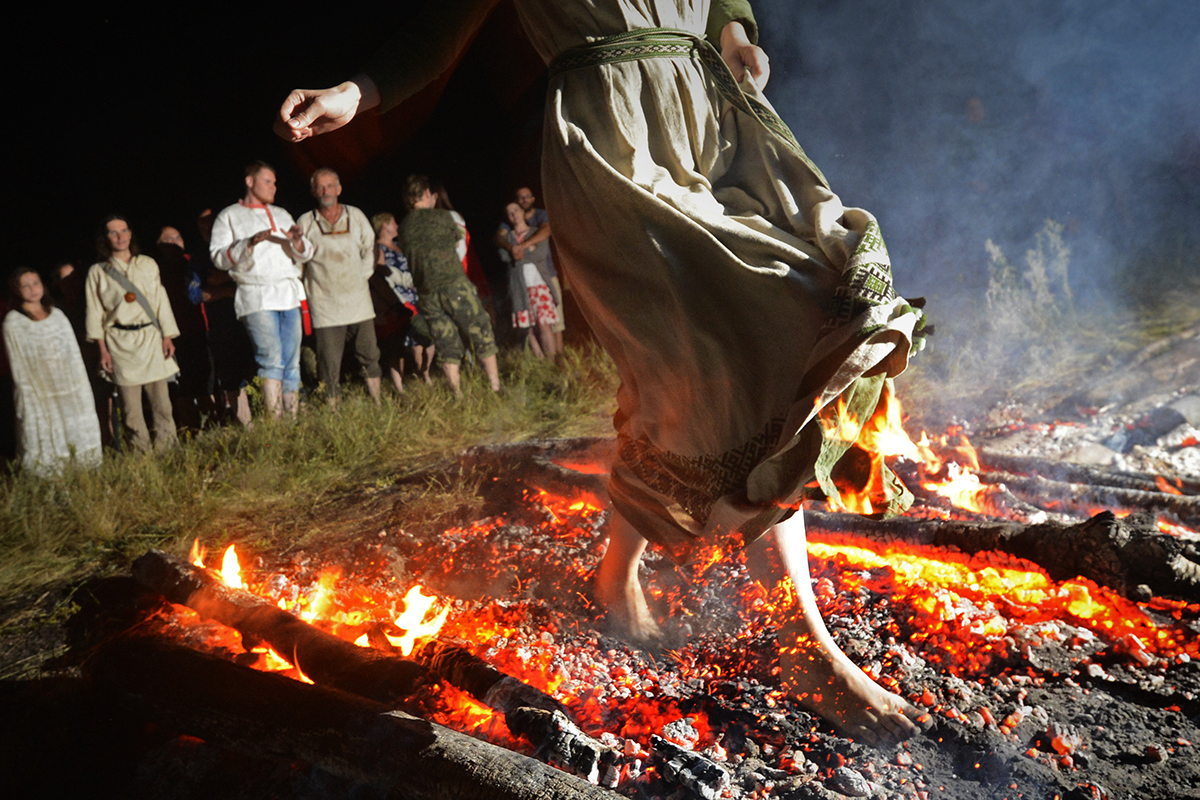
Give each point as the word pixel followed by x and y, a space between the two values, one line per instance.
pixel 956 123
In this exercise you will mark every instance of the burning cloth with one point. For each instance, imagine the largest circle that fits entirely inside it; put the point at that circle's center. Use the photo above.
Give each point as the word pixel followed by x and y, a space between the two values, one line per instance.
pixel 735 292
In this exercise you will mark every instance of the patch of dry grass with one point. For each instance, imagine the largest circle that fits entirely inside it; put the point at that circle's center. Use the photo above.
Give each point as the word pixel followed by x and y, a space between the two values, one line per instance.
pixel 270 483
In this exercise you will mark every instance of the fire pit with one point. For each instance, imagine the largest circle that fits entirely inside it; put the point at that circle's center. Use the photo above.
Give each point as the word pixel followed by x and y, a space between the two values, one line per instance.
pixel 1046 615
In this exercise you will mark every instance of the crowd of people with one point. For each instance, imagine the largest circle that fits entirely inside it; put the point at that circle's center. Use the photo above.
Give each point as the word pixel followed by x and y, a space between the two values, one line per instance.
pixel 185 332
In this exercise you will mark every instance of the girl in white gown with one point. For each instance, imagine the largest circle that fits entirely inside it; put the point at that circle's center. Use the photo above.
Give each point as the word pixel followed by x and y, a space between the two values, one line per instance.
pixel 56 413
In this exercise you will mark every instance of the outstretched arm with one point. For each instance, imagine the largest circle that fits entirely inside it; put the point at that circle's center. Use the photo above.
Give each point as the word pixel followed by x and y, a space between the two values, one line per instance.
pixel 308 112
pixel 412 59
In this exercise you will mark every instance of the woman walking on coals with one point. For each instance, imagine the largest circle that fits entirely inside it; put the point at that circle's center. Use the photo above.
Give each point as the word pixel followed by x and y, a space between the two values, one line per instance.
pixel 737 295
pixel 56 413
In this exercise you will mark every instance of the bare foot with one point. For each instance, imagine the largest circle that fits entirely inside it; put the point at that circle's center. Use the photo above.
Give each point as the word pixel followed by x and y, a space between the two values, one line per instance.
pixel 628 612
pixel 618 589
pixel 829 684
pixel 818 673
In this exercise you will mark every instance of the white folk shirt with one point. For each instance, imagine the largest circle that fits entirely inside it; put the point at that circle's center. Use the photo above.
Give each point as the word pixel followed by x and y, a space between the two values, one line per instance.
pixel 335 278
pixel 266 276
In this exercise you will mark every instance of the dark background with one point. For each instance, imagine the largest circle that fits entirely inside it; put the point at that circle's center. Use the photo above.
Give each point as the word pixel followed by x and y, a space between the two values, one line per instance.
pixel 953 122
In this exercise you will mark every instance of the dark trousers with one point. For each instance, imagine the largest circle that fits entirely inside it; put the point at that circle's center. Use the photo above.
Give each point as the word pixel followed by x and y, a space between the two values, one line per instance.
pixel 331 342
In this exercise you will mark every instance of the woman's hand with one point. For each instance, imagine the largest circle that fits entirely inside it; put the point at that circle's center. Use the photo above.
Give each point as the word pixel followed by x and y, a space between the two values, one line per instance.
pixel 308 112
pixel 742 56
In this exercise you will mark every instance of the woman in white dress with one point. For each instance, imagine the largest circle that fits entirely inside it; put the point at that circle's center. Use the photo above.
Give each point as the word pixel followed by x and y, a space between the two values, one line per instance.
pixel 738 296
pixel 56 413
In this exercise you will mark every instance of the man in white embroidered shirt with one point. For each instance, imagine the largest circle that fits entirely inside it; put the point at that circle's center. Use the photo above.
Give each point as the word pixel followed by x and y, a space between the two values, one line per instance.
pixel 262 248
pixel 335 280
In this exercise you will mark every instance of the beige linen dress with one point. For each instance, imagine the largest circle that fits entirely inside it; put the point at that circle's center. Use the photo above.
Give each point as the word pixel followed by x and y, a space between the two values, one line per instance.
pixel 735 292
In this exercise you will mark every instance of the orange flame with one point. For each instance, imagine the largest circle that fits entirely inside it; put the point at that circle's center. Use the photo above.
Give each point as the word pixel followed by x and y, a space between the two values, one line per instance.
pixel 231 571
pixel 962 488
pixel 198 553
pixel 1164 486
pixel 413 623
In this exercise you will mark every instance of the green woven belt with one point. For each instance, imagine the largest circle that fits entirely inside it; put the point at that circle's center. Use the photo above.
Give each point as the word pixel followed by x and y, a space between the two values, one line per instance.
pixel 629 46
pixel 646 43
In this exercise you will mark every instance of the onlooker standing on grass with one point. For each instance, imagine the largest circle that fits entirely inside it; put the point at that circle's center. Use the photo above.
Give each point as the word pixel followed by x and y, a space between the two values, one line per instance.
pixel 539 221
pixel 534 302
pixel 55 412
pixel 429 237
pixel 193 395
pixel 399 326
pixel 231 348
pixel 130 320
pixel 261 247
pixel 335 280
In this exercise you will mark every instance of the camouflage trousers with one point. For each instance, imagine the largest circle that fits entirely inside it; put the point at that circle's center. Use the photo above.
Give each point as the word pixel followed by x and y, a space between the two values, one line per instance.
pixel 456 315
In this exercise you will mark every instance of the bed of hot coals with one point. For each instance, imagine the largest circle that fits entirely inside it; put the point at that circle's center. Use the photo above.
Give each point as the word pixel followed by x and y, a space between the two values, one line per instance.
pixel 1034 687
pixel 1036 682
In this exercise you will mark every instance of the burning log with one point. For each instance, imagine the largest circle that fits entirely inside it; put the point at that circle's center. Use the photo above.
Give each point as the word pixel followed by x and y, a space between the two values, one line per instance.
pixel 328 659
pixel 1121 554
pixel 269 715
pixel 373 673
pixel 323 657
pixel 1083 497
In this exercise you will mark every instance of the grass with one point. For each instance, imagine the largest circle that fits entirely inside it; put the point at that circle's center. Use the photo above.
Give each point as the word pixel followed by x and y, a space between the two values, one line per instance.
pixel 265 483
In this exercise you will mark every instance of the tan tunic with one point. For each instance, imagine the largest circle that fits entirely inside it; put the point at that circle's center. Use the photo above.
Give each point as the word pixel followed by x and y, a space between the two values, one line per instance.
pixel 137 355
pixel 335 278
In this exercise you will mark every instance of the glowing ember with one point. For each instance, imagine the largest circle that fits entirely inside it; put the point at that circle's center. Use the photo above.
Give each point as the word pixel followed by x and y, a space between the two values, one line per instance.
pixel 958 600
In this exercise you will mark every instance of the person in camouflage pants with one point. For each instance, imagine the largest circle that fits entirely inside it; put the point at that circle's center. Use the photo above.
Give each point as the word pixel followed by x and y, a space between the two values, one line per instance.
pixel 447 298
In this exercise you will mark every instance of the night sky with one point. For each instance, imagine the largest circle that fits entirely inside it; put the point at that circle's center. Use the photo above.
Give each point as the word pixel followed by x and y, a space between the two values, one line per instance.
pixel 953 122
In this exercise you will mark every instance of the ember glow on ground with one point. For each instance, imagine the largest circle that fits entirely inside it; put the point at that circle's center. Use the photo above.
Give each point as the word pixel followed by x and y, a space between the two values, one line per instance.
pixel 975 618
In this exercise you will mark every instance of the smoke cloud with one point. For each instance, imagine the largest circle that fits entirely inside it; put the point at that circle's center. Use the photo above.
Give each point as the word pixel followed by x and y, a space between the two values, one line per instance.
pixel 955 123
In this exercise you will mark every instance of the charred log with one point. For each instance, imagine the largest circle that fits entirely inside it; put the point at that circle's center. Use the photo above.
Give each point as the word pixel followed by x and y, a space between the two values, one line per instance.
pixel 460 667
pixel 562 743
pixel 1121 554
pixel 330 661
pixel 1083 497
pixel 325 658
pixel 269 715
pixel 1067 472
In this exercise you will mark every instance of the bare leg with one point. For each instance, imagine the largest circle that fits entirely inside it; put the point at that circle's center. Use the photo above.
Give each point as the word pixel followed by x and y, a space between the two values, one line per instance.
pixel 272 397
pixel 373 389
pixel 423 356
pixel 492 369
pixel 818 673
pixel 451 371
pixel 618 588
pixel 397 376
pixel 549 345
pixel 532 343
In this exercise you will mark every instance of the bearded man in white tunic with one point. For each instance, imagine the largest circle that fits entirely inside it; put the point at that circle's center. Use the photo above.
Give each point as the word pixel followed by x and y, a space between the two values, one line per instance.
pixel 335 279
